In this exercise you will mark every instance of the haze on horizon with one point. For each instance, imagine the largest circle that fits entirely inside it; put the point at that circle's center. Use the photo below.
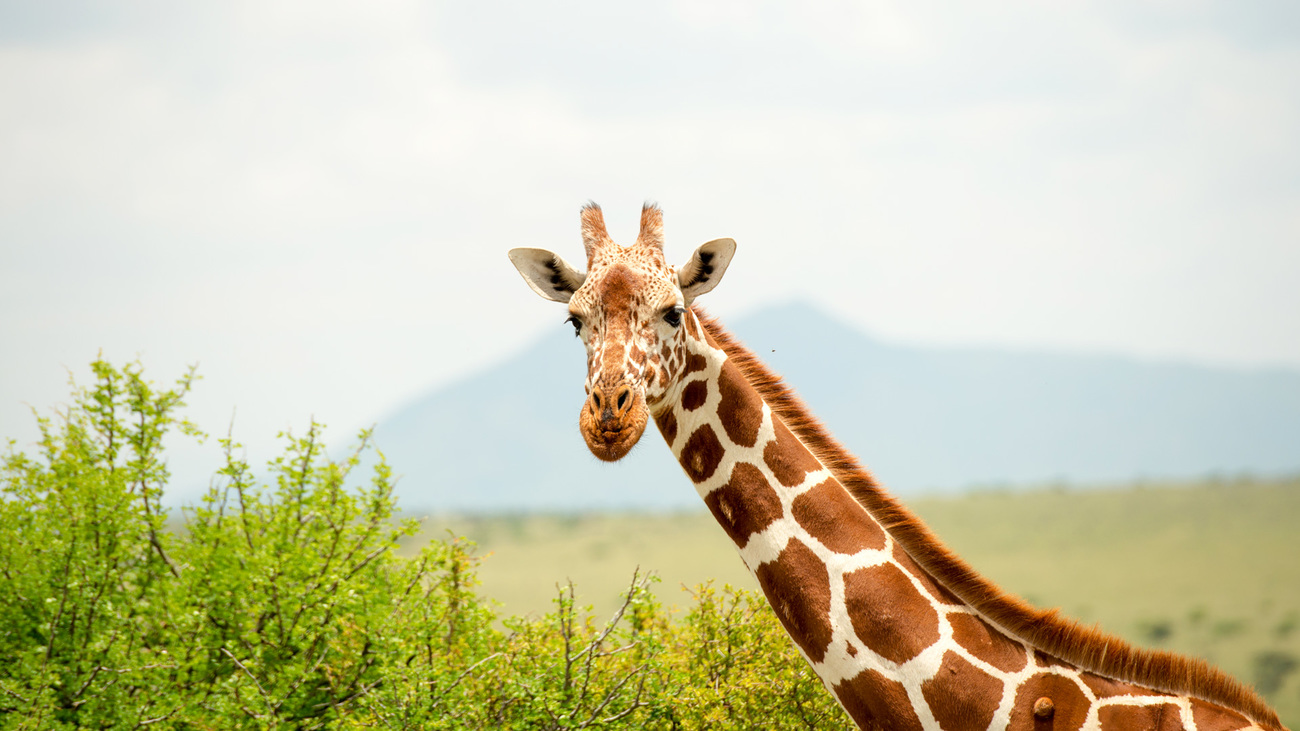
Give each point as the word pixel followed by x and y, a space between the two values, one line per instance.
pixel 313 201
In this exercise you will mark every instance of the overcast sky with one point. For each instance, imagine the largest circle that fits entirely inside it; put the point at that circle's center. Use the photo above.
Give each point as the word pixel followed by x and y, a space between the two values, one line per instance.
pixel 313 200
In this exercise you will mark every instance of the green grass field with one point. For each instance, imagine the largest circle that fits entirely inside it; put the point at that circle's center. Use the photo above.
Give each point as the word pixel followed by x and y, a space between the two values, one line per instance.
pixel 1211 569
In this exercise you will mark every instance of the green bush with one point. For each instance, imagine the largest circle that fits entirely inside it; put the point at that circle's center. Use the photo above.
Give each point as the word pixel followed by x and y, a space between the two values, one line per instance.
pixel 281 602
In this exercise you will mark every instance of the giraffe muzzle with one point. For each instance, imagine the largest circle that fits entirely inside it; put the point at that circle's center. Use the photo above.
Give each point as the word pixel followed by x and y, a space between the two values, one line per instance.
pixel 612 420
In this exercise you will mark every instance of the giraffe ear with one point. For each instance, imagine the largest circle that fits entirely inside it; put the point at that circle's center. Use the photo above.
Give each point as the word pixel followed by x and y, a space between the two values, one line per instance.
pixel 548 274
pixel 704 269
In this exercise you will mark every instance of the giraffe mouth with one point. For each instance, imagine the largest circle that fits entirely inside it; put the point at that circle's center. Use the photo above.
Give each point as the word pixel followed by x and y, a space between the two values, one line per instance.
pixel 613 446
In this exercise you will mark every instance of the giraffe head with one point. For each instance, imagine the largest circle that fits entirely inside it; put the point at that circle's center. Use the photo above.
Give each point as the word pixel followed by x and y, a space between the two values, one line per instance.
pixel 632 312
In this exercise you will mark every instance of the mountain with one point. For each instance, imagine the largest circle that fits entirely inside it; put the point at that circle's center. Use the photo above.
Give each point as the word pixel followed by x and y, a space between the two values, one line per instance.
pixel 920 418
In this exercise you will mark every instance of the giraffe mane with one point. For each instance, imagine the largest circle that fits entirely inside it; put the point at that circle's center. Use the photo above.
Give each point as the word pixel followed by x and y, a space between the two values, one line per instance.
pixel 1089 648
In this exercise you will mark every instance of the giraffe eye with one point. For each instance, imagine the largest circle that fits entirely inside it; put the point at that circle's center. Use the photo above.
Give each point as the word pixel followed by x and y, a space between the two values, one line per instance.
pixel 576 323
pixel 674 316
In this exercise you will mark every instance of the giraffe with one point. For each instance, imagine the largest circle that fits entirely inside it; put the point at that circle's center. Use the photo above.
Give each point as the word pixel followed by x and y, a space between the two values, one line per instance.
pixel 900 630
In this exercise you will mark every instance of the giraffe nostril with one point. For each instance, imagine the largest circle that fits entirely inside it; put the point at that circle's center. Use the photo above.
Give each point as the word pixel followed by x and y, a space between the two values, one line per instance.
pixel 595 399
pixel 622 398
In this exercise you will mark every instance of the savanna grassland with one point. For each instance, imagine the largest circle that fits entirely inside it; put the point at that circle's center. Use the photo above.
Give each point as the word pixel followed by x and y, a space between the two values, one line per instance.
pixel 1210 568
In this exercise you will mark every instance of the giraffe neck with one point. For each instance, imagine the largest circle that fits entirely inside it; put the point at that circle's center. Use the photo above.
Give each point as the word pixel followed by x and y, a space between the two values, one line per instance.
pixel 894 645
pixel 854 603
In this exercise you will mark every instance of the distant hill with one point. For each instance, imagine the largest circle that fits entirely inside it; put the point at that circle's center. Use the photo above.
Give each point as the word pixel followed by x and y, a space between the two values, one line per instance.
pixel 920 418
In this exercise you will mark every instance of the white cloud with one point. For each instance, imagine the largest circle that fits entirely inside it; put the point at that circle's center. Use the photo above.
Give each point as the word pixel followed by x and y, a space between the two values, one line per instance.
pixel 314 201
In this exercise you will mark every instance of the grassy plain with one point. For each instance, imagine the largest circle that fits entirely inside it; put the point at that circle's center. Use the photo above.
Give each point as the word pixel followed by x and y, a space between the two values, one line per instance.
pixel 1210 568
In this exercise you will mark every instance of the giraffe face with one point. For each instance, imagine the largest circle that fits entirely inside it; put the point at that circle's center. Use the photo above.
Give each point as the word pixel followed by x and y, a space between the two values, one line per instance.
pixel 622 314
pixel 630 309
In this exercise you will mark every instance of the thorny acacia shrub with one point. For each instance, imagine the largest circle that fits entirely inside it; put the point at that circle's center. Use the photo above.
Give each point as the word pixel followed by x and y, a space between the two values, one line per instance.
pixel 281 603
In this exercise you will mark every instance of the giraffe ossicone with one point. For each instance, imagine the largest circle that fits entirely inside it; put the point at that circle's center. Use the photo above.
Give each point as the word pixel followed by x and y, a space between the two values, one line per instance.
pixel 903 632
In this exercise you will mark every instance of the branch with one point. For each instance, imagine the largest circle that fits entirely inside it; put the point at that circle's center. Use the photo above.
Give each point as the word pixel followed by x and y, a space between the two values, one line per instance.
pixel 614 691
pixel 609 626
pixel 461 677
pixel 269 705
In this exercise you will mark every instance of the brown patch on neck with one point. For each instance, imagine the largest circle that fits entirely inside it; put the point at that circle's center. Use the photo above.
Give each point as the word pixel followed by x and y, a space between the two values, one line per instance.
pixel 694 395
pixel 830 515
pixel 876 702
pixel 701 455
pixel 932 587
pixel 987 644
pixel 667 424
pixel 739 409
pixel 1086 647
pixel 1069 704
pixel 1105 687
pixel 888 614
pixel 961 695
pixel 1160 717
pixel 1213 718
pixel 786 458
pixel 746 505
pixel 798 587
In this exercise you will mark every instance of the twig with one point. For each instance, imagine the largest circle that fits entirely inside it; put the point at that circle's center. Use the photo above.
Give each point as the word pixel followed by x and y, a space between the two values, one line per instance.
pixel 636 703
pixel 462 676
pixel 595 644
pixel 612 692
pixel 269 705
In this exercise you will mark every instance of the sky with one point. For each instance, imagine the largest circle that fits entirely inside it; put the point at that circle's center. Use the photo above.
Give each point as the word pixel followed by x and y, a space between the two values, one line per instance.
pixel 312 201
